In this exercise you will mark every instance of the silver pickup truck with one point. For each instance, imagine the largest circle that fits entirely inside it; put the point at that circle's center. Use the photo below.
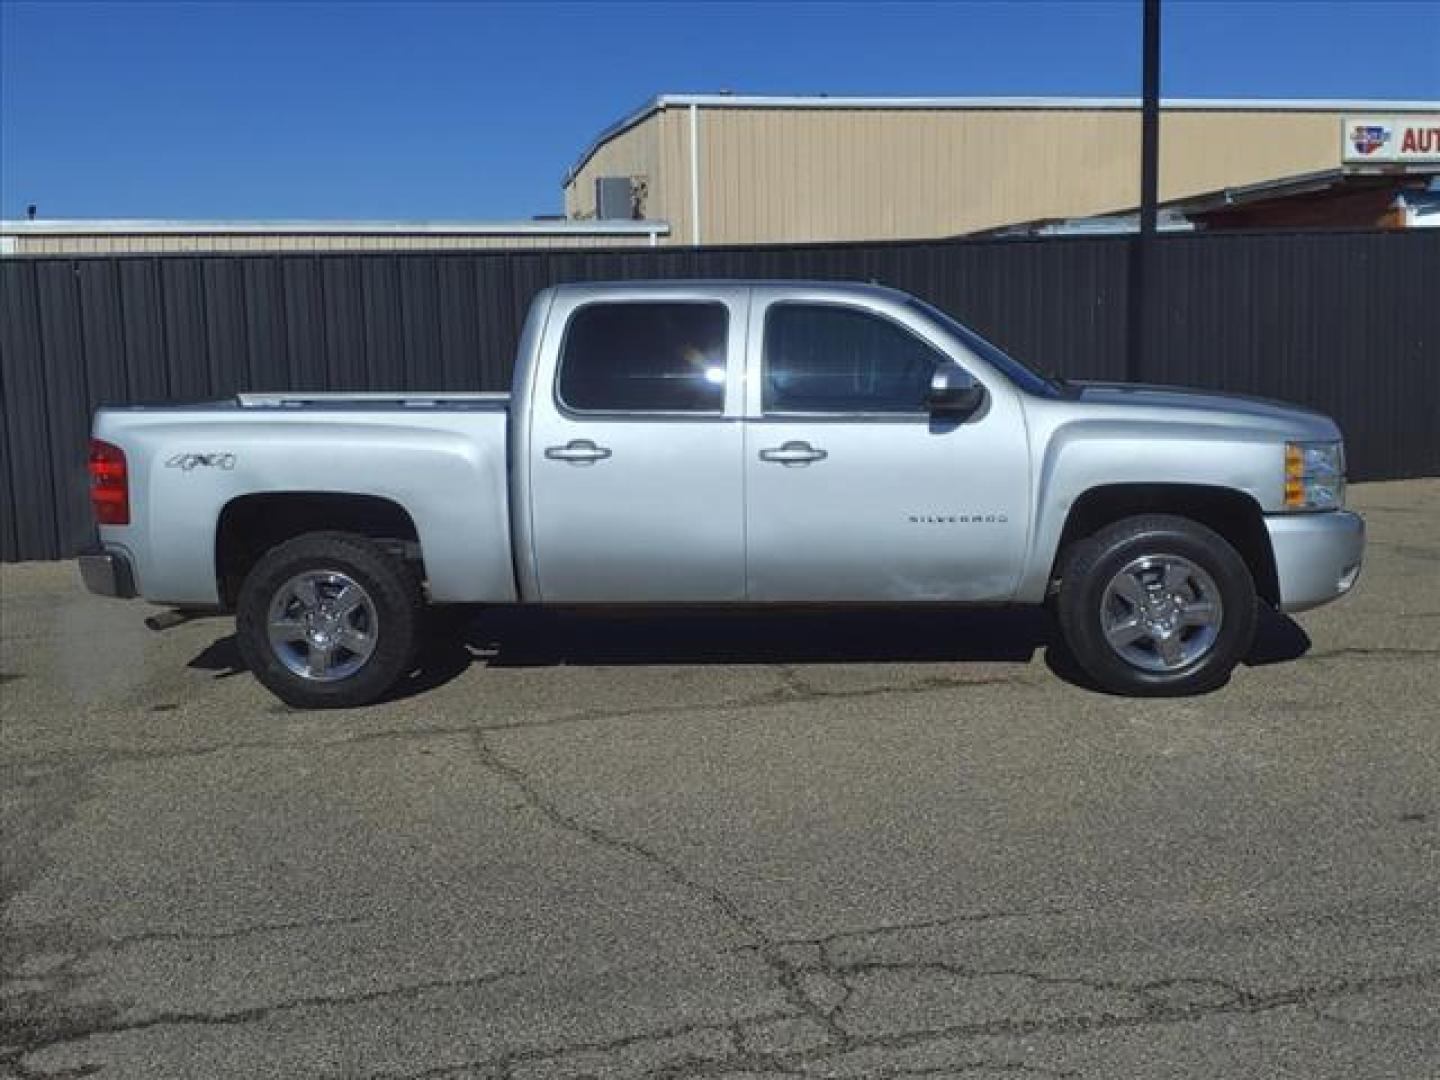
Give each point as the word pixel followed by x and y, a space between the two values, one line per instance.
pixel 728 442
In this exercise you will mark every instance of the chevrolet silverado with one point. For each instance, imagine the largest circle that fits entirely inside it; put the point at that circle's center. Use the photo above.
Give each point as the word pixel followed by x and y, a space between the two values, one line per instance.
pixel 728 442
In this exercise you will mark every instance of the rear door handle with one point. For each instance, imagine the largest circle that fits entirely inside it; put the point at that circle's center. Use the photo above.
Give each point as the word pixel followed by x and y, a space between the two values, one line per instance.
pixel 794 453
pixel 578 452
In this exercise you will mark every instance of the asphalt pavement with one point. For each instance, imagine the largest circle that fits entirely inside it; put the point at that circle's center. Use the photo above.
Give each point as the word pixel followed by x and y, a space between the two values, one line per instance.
pixel 793 844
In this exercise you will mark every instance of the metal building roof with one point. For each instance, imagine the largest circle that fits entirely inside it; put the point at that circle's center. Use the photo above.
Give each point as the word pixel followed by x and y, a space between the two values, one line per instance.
pixel 822 101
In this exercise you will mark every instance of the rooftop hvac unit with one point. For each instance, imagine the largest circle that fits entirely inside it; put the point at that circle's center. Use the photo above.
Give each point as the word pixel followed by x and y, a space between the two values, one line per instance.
pixel 614 200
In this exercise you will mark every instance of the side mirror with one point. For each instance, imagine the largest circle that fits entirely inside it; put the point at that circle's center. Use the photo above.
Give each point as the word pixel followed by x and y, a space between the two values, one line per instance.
pixel 953 390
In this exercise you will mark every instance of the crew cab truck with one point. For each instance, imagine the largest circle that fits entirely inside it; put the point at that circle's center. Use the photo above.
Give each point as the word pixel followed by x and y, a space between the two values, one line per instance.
pixel 728 442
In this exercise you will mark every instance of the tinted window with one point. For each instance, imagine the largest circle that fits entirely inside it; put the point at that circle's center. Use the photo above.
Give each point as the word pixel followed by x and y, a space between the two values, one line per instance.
pixel 645 358
pixel 821 358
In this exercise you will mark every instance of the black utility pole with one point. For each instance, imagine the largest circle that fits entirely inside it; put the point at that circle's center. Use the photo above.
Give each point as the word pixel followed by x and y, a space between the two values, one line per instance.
pixel 1142 257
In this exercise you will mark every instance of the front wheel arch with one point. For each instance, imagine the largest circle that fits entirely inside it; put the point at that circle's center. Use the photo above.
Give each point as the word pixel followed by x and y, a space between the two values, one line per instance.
pixel 1232 514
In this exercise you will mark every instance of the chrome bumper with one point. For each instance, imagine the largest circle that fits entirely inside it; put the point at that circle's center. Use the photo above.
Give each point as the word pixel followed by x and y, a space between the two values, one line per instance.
pixel 1317 556
pixel 107 573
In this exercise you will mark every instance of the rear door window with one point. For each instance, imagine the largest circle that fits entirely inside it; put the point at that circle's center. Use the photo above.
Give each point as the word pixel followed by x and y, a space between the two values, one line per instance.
pixel 645 357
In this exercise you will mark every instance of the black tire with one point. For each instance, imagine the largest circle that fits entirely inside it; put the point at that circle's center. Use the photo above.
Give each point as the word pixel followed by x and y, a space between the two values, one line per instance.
pixel 391 587
pixel 1093 563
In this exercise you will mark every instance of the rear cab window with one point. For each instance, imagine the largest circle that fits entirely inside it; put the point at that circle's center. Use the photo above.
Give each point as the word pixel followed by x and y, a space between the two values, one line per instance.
pixel 631 357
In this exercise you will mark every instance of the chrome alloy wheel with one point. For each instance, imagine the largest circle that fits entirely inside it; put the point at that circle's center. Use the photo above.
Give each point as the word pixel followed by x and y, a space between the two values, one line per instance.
pixel 1161 613
pixel 322 625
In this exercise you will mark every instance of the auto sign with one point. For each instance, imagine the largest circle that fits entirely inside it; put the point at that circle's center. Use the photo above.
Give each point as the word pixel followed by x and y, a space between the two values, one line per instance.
pixel 1396 140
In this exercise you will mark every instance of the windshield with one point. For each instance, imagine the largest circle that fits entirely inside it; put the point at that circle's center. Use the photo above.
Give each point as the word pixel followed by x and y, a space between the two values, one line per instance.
pixel 1026 379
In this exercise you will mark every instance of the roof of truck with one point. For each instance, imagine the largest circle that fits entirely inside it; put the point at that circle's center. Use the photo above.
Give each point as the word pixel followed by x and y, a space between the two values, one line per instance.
pixel 853 288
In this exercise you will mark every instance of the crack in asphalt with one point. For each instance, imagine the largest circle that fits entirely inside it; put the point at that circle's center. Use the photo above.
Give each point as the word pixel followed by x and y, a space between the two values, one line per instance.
pixel 24 1073
pixel 987 1066
pixel 793 1062
pixel 931 924
pixel 834 1017
pixel 533 797
pixel 1153 1006
pixel 63 974
pixel 259 1012
pixel 787 974
pixel 124 757
pixel 961 1068
pixel 506 1063
pixel 1245 1003
pixel 1377 652
pixel 792 691
pixel 784 1062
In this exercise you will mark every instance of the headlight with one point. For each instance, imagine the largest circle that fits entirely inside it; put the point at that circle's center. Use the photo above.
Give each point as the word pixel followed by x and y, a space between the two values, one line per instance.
pixel 1314 476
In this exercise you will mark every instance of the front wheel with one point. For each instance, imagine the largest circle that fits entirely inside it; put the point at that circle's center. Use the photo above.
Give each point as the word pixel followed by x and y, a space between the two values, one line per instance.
pixel 328 620
pixel 1157 605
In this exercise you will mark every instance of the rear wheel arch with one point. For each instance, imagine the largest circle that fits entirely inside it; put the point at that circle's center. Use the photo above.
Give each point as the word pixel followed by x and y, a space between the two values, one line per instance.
pixel 249 526
pixel 1229 512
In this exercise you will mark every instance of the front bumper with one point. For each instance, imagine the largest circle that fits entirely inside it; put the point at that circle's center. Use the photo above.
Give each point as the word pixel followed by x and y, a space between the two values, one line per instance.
pixel 1317 556
pixel 107 572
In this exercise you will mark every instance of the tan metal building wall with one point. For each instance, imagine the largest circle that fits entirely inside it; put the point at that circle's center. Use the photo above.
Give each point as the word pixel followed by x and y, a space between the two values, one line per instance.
pixel 635 153
pixel 772 169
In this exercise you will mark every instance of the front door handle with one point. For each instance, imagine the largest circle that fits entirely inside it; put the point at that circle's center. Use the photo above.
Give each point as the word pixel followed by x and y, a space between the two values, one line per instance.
pixel 794 453
pixel 578 452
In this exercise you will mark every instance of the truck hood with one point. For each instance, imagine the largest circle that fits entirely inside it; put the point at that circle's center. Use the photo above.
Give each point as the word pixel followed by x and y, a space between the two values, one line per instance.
pixel 1212 406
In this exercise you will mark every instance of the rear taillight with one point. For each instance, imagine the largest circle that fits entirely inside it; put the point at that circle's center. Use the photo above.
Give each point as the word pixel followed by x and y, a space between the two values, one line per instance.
pixel 109 484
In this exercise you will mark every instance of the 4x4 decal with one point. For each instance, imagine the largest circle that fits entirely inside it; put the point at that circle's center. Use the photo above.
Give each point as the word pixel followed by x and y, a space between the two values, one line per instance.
pixel 186 462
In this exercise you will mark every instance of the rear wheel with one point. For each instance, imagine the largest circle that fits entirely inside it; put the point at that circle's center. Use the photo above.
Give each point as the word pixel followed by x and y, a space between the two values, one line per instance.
pixel 1157 605
pixel 329 620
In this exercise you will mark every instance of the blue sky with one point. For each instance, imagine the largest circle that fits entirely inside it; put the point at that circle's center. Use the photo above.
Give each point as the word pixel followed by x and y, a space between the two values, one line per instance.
pixel 461 110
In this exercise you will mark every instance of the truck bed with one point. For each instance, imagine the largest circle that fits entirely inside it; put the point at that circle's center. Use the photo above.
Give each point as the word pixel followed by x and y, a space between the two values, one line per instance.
pixel 442 458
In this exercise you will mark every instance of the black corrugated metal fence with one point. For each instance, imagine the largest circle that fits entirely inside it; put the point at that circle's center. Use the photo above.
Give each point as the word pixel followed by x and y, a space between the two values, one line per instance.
pixel 1348 323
